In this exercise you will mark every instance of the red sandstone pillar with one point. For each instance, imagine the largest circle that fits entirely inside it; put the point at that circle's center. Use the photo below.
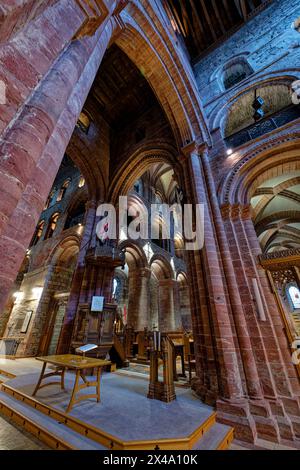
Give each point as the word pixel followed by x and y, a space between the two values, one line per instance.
pixel 266 334
pixel 222 335
pixel 35 146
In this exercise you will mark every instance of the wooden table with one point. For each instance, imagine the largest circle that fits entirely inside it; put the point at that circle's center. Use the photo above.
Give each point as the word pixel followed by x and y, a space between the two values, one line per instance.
pixel 72 362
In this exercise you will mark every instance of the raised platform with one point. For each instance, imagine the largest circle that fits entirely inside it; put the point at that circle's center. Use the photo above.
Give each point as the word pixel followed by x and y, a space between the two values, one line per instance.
pixel 125 419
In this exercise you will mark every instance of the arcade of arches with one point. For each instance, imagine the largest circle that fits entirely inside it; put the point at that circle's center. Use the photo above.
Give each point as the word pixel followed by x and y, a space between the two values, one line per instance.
pixel 115 100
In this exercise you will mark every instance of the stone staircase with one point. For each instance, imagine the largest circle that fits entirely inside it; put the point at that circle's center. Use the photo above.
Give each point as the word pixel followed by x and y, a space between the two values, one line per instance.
pixel 5 376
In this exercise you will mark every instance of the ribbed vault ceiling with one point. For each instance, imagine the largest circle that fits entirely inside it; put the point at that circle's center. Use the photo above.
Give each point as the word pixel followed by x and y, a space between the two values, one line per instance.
pixel 276 208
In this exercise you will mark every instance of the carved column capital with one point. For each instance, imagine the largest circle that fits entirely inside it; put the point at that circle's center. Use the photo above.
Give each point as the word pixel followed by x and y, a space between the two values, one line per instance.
pixel 145 273
pixel 246 212
pixel 96 12
pixel 194 147
pixel 225 211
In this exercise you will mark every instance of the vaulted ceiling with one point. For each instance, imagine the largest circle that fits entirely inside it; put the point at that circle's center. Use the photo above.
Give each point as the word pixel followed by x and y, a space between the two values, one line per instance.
pixel 204 23
pixel 276 209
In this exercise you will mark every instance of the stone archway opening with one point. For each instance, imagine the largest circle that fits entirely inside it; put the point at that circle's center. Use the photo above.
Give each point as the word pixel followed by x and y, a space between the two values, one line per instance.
pixel 275 204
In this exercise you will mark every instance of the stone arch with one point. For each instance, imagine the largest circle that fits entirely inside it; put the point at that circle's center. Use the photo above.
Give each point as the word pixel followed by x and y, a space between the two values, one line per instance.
pixel 278 156
pixel 219 114
pixel 64 250
pixel 136 165
pixel 176 91
pixel 135 255
pixel 80 198
pixel 161 267
pixel 94 179
pixel 181 277
pixel 144 38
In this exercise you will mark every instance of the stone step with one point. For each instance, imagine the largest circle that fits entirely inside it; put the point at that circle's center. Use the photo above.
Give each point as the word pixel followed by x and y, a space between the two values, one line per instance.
pixel 218 437
pixel 106 441
pixel 26 416
pixel 6 374
pixel 3 378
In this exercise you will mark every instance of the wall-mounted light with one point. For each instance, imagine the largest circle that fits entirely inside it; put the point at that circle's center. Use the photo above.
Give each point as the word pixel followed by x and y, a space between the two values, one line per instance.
pixel 18 296
pixel 229 152
pixel 296 25
pixel 37 292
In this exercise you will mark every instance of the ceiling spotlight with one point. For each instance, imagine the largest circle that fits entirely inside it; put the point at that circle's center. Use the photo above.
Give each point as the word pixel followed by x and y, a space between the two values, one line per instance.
pixel 296 25
pixel 229 152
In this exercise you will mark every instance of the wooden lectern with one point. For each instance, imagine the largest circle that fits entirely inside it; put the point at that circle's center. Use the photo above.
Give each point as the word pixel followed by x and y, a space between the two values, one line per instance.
pixel 161 348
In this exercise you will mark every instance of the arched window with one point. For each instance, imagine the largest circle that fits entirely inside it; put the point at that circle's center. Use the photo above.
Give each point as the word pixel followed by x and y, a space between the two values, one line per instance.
pixel 235 71
pixel 52 225
pixel 116 288
pixel 50 199
pixel 38 233
pixel 84 122
pixel 63 190
pixel 138 187
pixel 76 215
pixel 294 296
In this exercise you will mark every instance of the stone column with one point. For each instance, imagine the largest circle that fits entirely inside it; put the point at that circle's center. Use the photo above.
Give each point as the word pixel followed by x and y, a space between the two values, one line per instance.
pixel 168 306
pixel 36 143
pixel 185 309
pixel 139 299
pixel 93 276
pixel 269 345
pixel 143 319
pixel 290 382
pixel 215 307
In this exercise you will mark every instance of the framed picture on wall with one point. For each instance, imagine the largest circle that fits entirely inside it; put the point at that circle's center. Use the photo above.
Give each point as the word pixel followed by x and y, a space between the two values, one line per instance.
pixel 26 321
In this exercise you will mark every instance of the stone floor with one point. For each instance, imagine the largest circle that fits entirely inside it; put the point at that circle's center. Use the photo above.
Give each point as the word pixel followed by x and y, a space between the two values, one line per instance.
pixel 123 401
pixel 12 437
pixel 143 371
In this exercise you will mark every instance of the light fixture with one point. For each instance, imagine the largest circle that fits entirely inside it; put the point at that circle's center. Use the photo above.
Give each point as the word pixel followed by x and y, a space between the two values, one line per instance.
pixel 37 292
pixel 18 296
pixel 296 25
pixel 229 152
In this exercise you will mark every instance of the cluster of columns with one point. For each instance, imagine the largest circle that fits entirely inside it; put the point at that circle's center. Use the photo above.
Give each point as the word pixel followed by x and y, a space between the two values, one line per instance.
pixel 243 356
pixel 163 312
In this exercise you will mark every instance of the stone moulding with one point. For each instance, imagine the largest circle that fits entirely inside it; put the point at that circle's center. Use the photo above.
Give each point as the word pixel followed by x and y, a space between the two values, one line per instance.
pixel 95 12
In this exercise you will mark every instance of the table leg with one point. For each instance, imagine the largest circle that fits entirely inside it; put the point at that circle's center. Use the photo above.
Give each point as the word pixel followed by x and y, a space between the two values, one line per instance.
pixel 98 383
pixel 40 379
pixel 75 389
pixel 62 380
